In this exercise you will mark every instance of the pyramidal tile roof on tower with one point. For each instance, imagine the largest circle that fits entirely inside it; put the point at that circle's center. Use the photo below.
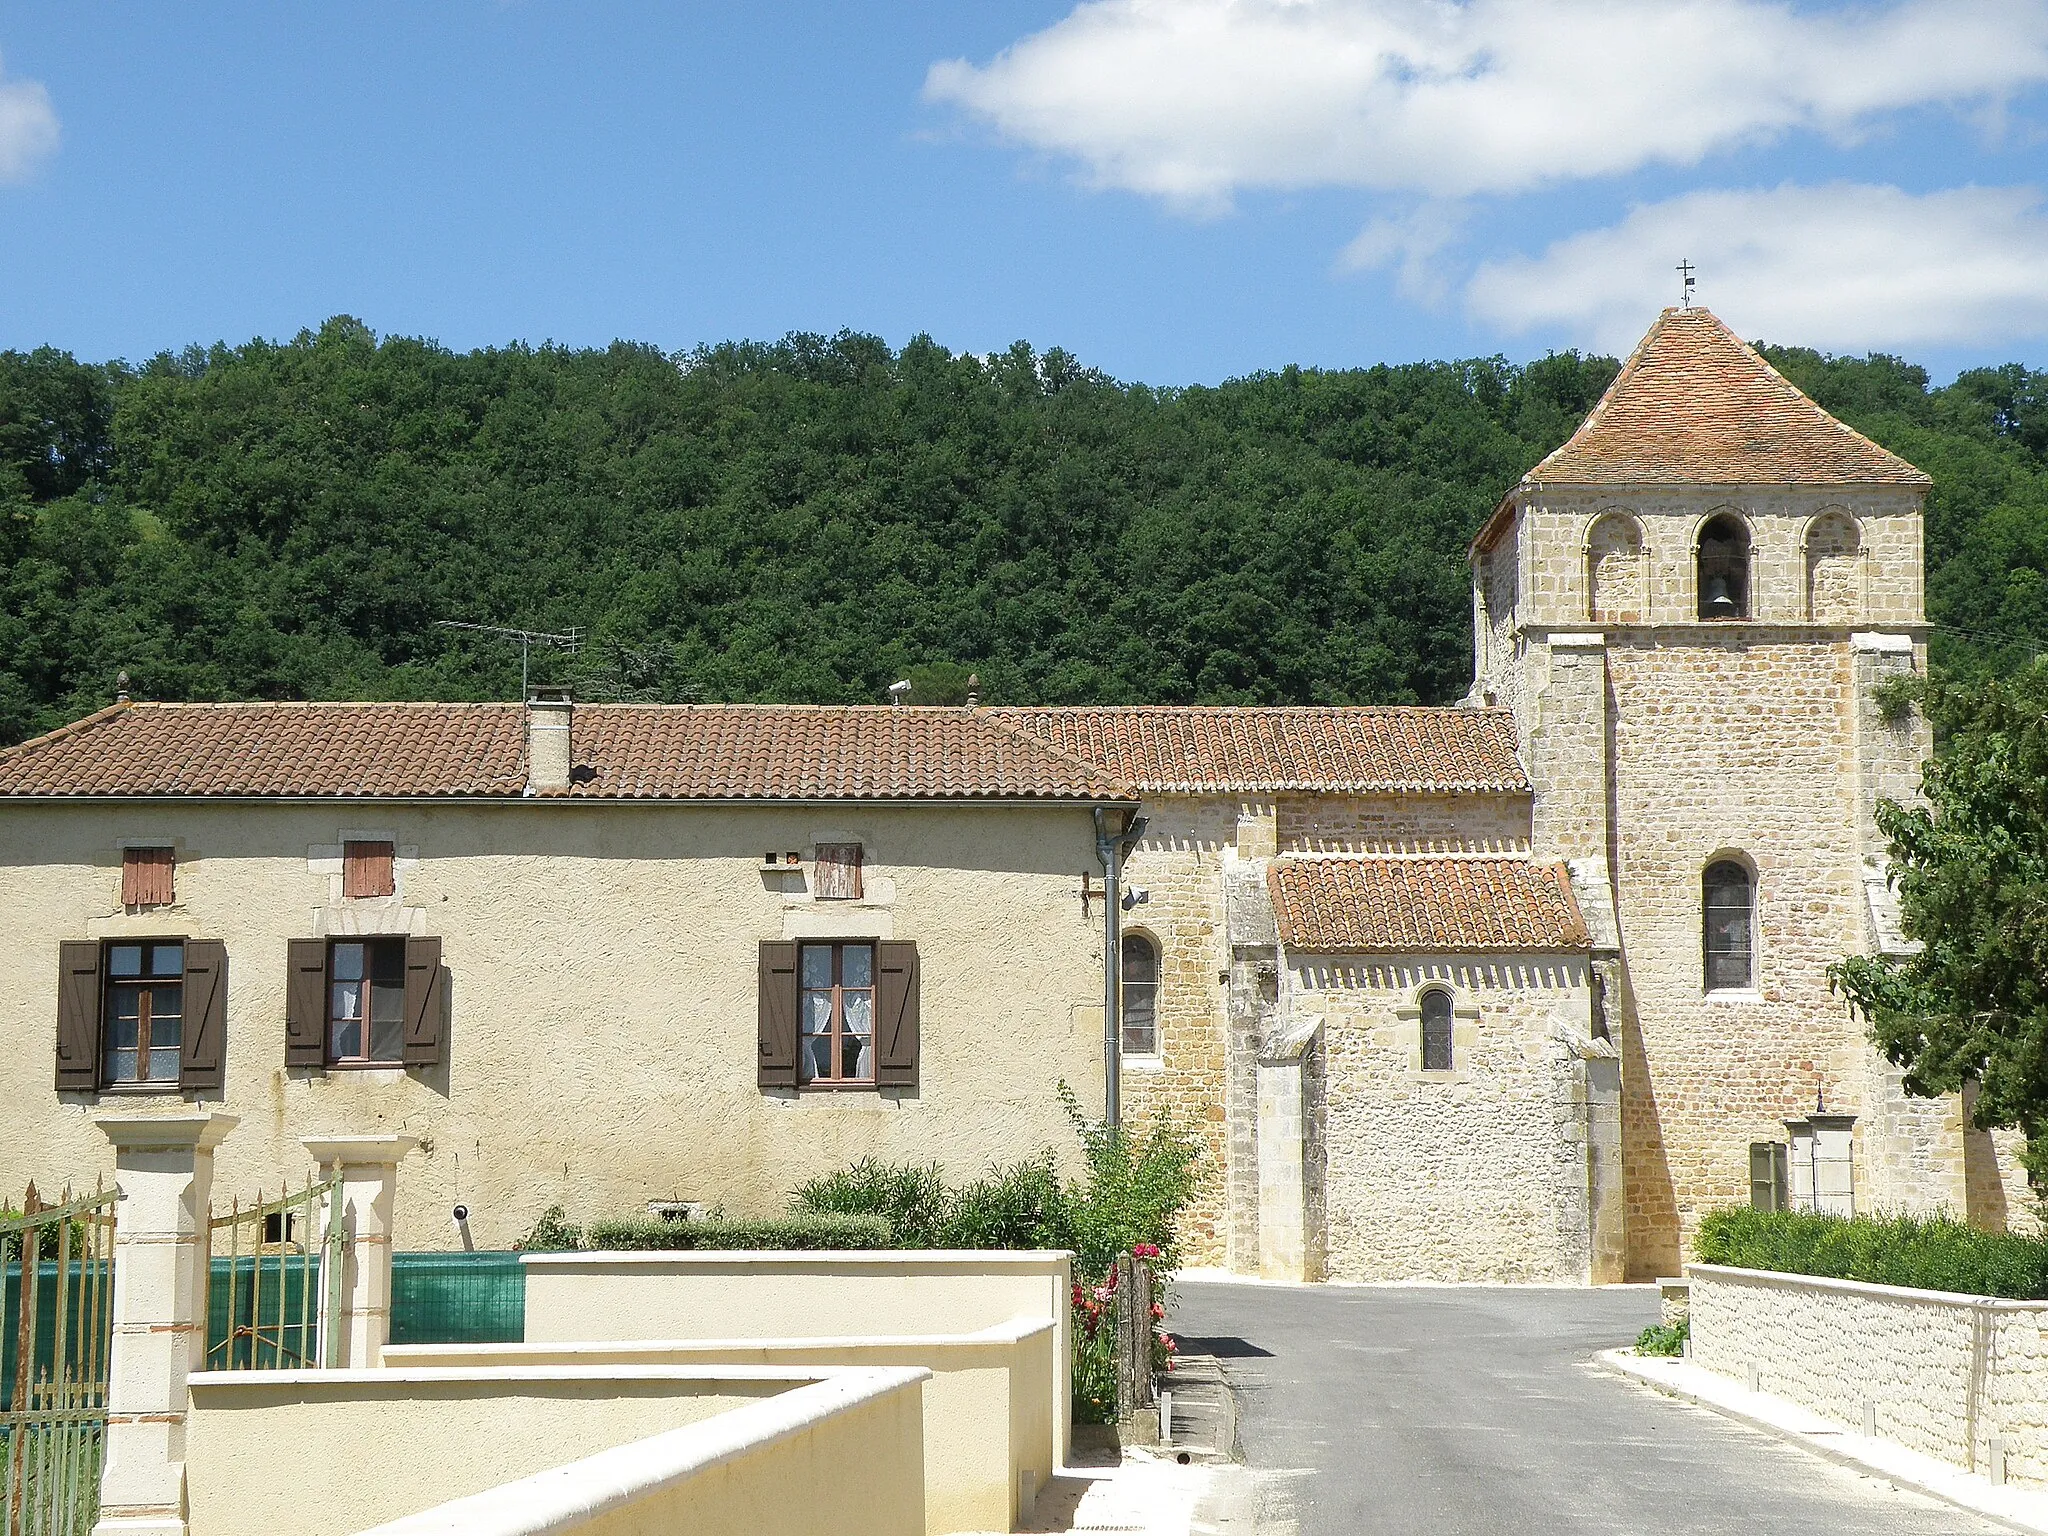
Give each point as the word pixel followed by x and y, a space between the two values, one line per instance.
pixel 1695 405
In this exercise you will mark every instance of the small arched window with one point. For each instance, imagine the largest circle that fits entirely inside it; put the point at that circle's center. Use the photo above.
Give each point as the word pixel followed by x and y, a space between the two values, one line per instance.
pixel 1436 1030
pixel 1140 994
pixel 1730 926
pixel 1724 568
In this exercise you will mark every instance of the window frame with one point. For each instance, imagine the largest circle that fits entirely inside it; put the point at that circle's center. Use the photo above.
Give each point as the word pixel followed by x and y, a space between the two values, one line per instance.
pixel 1708 985
pixel 370 987
pixel 145 981
pixel 839 1034
pixel 1155 955
pixel 1423 1001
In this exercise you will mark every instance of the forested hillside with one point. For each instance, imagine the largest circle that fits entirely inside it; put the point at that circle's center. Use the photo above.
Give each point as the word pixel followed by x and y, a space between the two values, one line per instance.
pixel 812 519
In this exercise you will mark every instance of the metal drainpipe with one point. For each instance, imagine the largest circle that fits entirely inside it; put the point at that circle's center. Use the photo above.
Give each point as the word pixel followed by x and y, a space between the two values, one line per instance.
pixel 1111 849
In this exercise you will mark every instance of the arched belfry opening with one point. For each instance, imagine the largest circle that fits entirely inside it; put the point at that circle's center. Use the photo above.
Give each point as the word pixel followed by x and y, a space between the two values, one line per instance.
pixel 1723 562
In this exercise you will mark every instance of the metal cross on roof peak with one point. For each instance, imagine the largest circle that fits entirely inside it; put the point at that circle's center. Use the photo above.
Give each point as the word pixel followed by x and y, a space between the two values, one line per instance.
pixel 1685 271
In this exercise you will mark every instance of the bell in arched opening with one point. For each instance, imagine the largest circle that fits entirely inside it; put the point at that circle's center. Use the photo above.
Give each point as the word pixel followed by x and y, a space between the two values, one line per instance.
pixel 1724 569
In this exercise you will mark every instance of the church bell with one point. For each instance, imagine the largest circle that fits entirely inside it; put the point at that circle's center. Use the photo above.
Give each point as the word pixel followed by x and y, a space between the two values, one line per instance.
pixel 1719 603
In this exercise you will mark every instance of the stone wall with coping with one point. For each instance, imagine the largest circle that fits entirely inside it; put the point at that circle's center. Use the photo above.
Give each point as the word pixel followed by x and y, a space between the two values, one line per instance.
pixel 1945 1373
pixel 1480 1173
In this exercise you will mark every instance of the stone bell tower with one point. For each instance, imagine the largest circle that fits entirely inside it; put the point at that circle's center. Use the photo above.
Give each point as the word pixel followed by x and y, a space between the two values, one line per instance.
pixel 1687 607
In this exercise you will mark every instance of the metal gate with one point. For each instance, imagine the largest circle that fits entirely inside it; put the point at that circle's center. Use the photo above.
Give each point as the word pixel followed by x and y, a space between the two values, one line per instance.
pixel 273 1286
pixel 55 1327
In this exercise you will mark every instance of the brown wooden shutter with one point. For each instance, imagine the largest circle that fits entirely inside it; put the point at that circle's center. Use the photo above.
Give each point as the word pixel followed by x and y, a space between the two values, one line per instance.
pixel 897 1010
pixel 147 877
pixel 202 1065
pixel 366 869
pixel 78 1016
pixel 426 1004
pixel 837 876
pixel 305 1003
pixel 776 1008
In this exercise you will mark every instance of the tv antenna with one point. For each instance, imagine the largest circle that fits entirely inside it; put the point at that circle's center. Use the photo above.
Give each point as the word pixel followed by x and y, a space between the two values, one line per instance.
pixel 568 642
pixel 1685 271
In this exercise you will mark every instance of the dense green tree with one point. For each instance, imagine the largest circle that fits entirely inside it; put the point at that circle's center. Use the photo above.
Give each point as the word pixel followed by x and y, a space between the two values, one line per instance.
pixel 818 517
pixel 1971 867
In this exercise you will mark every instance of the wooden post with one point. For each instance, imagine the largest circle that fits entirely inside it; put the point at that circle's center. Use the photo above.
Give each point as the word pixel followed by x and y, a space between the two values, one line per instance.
pixel 1134 1349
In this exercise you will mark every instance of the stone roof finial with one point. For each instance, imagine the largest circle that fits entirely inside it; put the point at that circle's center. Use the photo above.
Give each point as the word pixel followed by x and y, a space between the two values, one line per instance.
pixel 121 687
pixel 974 690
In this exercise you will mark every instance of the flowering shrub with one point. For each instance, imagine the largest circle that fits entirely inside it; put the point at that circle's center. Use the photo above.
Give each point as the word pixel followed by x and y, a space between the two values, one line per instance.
pixel 1134 1188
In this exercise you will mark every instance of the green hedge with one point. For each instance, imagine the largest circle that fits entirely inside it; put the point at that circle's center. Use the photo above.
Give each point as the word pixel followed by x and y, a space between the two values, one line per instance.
pixel 776 1232
pixel 1935 1253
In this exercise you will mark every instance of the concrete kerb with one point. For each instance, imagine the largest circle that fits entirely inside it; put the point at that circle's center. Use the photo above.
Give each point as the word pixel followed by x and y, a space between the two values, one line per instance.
pixel 2017 1509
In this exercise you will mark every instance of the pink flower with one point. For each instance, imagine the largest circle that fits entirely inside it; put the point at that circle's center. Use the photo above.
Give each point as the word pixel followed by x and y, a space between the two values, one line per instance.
pixel 1158 1310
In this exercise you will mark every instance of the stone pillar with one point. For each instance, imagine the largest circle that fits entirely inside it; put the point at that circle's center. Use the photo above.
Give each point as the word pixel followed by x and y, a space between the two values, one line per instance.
pixel 1568 752
pixel 164 1171
pixel 1287 1249
pixel 1251 1001
pixel 368 1166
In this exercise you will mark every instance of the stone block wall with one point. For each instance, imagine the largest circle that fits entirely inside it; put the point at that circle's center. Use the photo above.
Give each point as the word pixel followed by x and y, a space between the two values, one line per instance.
pixel 1179 864
pixel 1475 1174
pixel 1404 823
pixel 1740 748
pixel 1946 1373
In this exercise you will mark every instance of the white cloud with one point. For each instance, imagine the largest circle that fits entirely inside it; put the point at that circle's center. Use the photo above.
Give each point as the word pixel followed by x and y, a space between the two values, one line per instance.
pixel 1844 267
pixel 28 128
pixel 1192 101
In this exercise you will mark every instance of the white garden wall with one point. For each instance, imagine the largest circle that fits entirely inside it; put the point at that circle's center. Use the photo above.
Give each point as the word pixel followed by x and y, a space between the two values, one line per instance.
pixel 1945 1373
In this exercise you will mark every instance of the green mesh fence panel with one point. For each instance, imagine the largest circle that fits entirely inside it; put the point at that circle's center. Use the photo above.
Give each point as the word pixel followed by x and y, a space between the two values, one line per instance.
pixel 274 1324
pixel 79 1326
pixel 457 1298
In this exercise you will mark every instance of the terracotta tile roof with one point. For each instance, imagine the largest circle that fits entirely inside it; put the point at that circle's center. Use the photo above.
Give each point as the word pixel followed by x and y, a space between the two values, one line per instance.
pixel 1185 750
pixel 732 751
pixel 1403 905
pixel 1694 405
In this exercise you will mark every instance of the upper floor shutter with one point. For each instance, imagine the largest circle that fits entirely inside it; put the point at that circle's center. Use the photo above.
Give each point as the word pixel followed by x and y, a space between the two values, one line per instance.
pixel 147 877
pixel 202 1061
pixel 366 869
pixel 837 876
pixel 897 1010
pixel 78 1015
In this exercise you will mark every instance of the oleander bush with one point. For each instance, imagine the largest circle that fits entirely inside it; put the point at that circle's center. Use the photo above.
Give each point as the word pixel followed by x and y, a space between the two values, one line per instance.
pixel 1932 1253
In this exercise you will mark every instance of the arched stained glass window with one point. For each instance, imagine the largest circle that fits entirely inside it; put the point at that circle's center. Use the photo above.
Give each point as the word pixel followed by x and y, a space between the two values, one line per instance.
pixel 1730 924
pixel 1140 996
pixel 1436 1030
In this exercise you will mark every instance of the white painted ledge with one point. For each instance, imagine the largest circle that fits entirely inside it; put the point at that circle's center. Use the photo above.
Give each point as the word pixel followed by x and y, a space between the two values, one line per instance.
pixel 562 1498
pixel 1035 1261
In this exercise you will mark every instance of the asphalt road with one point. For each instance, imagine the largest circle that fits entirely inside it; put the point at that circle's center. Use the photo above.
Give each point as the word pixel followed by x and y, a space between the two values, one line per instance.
pixel 1473 1412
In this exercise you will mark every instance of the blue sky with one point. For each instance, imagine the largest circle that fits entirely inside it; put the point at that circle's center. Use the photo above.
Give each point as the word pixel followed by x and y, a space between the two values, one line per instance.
pixel 1175 190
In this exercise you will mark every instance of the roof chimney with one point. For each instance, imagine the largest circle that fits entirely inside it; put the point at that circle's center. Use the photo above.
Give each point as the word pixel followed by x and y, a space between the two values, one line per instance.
pixel 547 741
